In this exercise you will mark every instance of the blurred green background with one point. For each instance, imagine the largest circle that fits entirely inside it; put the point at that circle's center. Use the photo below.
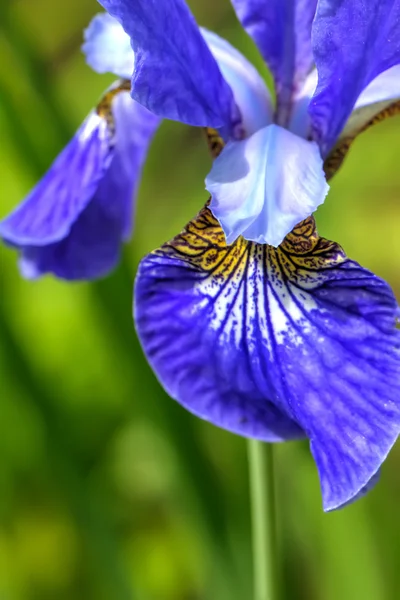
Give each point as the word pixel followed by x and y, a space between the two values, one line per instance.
pixel 108 489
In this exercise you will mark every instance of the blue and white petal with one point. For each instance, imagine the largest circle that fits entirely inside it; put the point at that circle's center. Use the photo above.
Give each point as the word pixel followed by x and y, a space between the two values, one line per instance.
pixel 55 203
pixel 381 94
pixel 277 343
pixel 261 187
pixel 353 43
pixel 74 221
pixel 251 95
pixel 300 121
pixel 107 47
pixel 175 75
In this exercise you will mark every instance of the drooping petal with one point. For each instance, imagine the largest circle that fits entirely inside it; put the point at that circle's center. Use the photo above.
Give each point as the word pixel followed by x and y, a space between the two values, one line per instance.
pixel 264 185
pixel 175 75
pixel 282 31
pixel 208 368
pixel 74 221
pixel 90 250
pixel 353 42
pixel 65 190
pixel 107 47
pixel 251 95
pixel 378 96
pixel 270 343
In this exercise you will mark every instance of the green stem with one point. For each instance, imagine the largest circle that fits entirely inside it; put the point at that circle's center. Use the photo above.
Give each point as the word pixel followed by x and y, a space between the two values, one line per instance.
pixel 263 520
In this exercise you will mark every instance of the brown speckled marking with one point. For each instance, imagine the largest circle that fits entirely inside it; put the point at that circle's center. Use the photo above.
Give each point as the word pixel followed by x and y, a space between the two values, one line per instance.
pixel 104 107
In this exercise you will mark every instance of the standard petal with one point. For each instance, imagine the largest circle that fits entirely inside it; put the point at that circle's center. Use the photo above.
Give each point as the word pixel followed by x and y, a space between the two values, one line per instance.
pixel 55 203
pixel 270 343
pixel 107 47
pixel 282 31
pixel 300 122
pixel 380 95
pixel 264 185
pixel 175 76
pixel 353 43
pixel 89 247
pixel 251 95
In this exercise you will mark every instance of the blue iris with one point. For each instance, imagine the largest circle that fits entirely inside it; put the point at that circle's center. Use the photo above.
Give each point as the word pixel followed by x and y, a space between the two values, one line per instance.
pixel 249 318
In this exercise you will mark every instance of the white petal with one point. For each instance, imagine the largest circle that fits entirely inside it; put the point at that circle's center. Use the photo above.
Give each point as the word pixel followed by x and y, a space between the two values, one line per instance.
pixel 107 47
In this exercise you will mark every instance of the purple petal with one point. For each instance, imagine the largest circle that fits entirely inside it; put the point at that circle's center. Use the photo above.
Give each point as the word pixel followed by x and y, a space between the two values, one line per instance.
pixel 379 95
pixel 52 207
pixel 87 244
pixel 175 74
pixel 90 250
pixel 257 340
pixel 353 42
pixel 186 322
pixel 282 31
pixel 262 186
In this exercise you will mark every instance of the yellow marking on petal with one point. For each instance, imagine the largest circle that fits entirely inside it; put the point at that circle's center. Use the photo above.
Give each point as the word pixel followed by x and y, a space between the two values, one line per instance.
pixel 338 153
pixel 214 141
pixel 202 244
pixel 104 107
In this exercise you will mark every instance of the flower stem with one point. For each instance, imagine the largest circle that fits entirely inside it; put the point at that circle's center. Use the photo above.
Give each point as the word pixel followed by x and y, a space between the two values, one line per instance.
pixel 262 494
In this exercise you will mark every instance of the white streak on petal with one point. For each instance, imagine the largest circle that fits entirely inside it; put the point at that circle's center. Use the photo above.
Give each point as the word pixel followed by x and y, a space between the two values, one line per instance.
pixel 263 186
pixel 90 125
pixel 300 122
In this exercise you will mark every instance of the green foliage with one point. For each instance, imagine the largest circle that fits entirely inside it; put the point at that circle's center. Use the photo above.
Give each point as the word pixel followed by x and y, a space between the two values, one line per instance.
pixel 110 490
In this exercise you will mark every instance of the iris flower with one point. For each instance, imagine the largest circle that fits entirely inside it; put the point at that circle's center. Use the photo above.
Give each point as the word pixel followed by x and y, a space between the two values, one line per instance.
pixel 248 317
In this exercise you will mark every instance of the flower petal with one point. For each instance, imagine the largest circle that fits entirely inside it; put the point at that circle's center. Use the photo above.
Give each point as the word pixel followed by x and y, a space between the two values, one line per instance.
pixel 74 221
pixel 175 74
pixel 353 42
pixel 90 250
pixel 65 190
pixel 379 95
pixel 264 185
pixel 300 122
pixel 257 340
pixel 250 92
pixel 282 31
pixel 107 47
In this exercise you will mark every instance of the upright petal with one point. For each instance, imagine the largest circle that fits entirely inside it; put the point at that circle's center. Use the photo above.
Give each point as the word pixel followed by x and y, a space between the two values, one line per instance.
pixel 74 221
pixel 300 122
pixel 107 47
pixel 282 31
pixel 264 185
pixel 353 42
pixel 271 343
pixel 175 74
pixel 380 95
pixel 251 95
